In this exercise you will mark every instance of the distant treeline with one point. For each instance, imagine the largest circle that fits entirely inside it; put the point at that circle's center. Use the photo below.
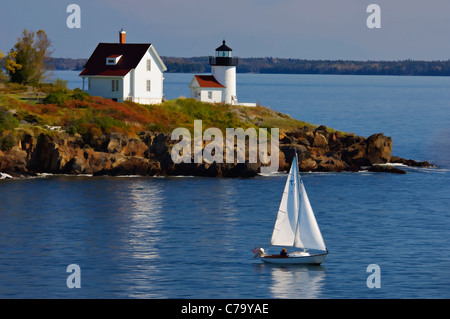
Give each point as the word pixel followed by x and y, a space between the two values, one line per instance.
pixel 65 64
pixel 290 66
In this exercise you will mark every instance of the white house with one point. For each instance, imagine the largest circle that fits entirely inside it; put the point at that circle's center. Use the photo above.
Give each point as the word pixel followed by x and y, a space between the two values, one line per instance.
pixel 220 86
pixel 125 72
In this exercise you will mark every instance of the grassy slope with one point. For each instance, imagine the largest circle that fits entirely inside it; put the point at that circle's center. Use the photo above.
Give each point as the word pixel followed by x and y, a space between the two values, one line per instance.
pixel 25 109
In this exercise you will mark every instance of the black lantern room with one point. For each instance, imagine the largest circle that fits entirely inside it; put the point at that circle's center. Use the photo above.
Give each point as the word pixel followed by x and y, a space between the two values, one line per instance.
pixel 223 56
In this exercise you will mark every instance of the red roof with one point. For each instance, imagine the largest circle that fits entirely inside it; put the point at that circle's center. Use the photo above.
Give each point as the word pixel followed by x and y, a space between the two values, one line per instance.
pixel 131 53
pixel 208 81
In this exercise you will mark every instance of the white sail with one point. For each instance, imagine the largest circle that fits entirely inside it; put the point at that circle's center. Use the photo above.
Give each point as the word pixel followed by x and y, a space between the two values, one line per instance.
pixel 309 235
pixel 296 224
pixel 287 218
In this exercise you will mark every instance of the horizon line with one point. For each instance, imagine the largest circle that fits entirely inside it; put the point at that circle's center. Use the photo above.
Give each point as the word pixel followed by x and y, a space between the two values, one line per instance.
pixel 305 59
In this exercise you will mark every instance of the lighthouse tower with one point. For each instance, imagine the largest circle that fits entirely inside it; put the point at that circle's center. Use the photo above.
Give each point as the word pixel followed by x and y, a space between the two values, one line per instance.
pixel 223 67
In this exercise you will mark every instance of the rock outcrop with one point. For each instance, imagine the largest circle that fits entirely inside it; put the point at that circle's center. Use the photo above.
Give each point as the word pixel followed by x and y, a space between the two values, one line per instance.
pixel 318 149
pixel 324 150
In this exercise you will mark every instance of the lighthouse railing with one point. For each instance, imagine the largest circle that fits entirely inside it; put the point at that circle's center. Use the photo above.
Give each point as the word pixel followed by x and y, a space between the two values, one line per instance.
pixel 223 60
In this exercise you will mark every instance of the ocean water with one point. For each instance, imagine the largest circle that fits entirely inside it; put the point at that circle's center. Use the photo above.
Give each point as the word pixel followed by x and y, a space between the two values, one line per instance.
pixel 189 237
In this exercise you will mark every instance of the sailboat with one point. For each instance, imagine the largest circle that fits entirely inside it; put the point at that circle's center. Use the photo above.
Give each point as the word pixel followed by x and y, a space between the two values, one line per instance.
pixel 296 226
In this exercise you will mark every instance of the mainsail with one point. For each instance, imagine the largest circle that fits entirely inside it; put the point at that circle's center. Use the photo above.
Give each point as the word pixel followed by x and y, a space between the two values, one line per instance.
pixel 296 225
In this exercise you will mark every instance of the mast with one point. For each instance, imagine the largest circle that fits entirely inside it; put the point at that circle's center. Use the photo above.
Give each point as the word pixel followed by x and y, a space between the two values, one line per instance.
pixel 297 241
pixel 284 231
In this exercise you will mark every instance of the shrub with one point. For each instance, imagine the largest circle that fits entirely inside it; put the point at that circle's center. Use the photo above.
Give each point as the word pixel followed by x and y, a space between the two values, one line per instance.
pixel 106 123
pixel 30 118
pixel 95 125
pixel 7 121
pixel 79 95
pixel 7 142
pixel 15 88
pixel 62 96
pixel 51 88
pixel 76 126
pixel 58 98
pixel 60 84
pixel 156 127
pixel 3 77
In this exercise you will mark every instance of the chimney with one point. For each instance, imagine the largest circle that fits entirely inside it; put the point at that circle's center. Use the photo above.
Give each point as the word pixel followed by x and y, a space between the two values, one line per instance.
pixel 122 36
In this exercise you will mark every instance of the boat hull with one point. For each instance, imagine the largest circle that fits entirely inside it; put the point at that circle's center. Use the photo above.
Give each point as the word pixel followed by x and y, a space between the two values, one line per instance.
pixel 295 260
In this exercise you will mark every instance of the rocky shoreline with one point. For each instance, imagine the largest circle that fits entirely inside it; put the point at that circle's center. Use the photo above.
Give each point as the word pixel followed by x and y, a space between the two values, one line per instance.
pixel 149 154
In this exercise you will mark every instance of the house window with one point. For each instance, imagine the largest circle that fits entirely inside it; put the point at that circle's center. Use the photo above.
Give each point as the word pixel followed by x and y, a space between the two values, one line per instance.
pixel 209 95
pixel 149 65
pixel 113 59
pixel 115 85
pixel 149 87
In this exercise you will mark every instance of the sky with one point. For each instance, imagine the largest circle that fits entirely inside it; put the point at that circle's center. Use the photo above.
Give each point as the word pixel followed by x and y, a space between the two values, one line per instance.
pixel 303 29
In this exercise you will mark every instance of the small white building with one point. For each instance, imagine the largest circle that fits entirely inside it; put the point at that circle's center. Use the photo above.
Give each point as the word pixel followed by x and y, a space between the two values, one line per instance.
pixel 125 72
pixel 220 86
pixel 206 88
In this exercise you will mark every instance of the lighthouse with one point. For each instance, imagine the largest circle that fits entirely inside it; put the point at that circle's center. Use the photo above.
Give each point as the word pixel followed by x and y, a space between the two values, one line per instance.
pixel 220 86
pixel 223 68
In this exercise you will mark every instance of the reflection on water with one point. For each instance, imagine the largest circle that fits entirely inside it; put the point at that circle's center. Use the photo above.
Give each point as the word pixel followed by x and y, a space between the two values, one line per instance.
pixel 145 213
pixel 143 236
pixel 296 281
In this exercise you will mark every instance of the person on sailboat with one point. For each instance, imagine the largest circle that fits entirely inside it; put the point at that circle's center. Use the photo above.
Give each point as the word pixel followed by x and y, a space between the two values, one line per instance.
pixel 259 252
pixel 283 252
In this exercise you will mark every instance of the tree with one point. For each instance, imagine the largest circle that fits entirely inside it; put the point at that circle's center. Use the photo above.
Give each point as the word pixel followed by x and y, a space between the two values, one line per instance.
pixel 25 62
pixel 3 76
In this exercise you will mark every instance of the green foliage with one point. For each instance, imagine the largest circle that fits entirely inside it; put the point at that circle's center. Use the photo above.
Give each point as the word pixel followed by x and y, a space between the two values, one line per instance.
pixel 106 123
pixel 62 96
pixel 25 63
pixel 212 115
pixel 78 94
pixel 14 88
pixel 60 84
pixel 7 142
pixel 155 127
pixel 3 76
pixel 30 118
pixel 58 98
pixel 7 121
pixel 95 125
pixel 76 127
